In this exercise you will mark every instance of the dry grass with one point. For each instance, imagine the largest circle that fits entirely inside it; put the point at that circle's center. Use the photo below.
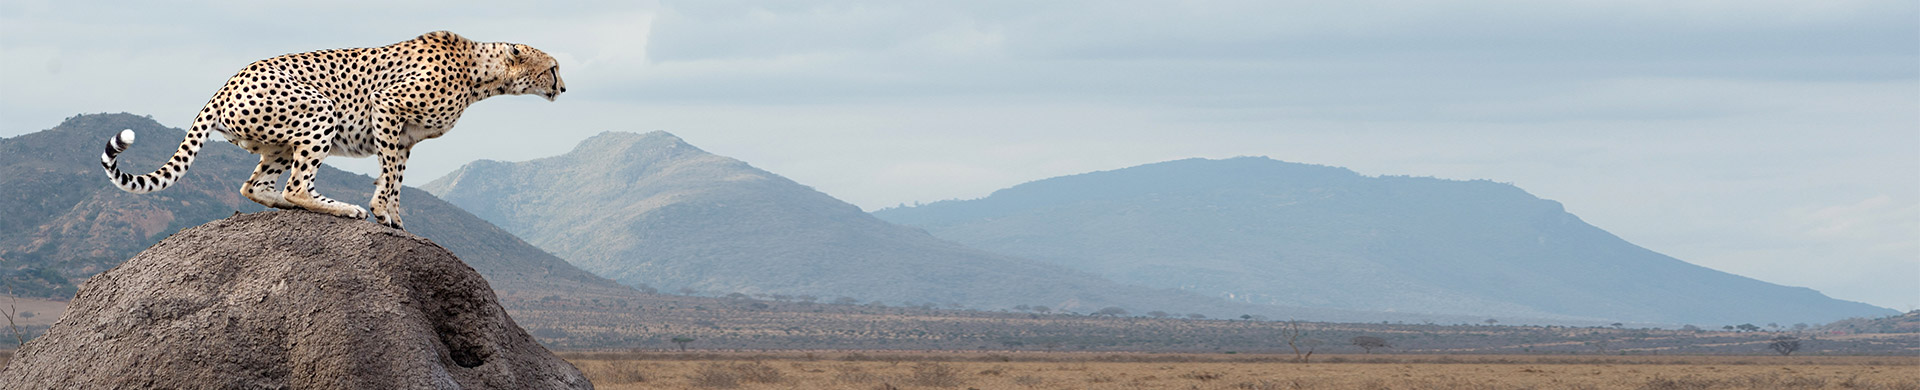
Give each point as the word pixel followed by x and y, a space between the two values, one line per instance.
pixel 732 375
pixel 938 370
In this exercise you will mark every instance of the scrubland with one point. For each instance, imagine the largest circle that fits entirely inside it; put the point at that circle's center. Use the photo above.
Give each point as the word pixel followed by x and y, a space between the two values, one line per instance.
pixel 966 370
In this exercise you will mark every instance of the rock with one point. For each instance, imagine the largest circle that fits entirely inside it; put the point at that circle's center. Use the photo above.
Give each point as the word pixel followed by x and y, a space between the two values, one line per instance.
pixel 288 299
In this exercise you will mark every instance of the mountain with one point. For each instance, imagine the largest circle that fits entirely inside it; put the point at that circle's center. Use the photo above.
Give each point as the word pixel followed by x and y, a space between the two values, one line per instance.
pixel 1264 231
pixel 652 210
pixel 65 222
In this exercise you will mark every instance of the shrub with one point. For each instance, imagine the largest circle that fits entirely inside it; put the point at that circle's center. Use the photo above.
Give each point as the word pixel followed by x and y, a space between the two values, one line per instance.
pixel 1203 376
pixel 715 375
pixel 758 373
pixel 1686 383
pixel 935 375
pixel 851 374
pixel 621 372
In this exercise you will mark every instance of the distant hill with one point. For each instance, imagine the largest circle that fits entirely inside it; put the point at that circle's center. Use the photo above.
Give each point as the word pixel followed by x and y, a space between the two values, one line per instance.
pixel 1263 231
pixel 64 221
pixel 652 210
pixel 1903 323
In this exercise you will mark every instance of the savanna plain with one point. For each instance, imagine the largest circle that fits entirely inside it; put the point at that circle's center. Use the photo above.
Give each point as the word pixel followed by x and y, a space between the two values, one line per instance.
pixel 1038 370
pixel 1041 370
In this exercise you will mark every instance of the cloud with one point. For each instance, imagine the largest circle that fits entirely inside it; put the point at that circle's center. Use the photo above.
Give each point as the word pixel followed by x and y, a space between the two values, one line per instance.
pixel 1880 218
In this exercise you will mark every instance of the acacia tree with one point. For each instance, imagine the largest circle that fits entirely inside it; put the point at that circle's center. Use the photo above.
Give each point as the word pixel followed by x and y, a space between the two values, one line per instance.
pixel 1785 345
pixel 1111 311
pixel 682 340
pixel 1368 343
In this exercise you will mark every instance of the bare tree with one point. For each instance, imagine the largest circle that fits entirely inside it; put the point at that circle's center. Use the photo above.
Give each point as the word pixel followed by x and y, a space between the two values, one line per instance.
pixel 1368 343
pixel 10 311
pixel 1785 345
pixel 1296 338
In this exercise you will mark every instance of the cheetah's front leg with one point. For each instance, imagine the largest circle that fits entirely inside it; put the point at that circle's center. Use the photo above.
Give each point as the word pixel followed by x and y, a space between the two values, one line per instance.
pixel 386 190
pixel 393 167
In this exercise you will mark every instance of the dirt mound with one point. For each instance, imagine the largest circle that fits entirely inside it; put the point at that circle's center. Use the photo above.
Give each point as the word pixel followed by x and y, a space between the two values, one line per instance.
pixel 288 299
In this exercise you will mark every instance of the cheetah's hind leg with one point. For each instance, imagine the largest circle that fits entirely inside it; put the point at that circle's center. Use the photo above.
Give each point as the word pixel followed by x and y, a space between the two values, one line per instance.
pixel 304 155
pixel 300 183
pixel 261 187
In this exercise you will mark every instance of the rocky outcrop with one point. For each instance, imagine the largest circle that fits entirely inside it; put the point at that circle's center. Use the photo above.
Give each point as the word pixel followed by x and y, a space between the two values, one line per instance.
pixel 288 299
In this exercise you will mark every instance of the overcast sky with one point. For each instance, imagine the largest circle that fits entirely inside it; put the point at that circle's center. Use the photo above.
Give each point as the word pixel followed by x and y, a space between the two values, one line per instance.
pixel 1777 139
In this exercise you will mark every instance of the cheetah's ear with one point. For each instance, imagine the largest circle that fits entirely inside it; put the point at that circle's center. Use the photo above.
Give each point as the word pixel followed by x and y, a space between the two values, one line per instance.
pixel 513 54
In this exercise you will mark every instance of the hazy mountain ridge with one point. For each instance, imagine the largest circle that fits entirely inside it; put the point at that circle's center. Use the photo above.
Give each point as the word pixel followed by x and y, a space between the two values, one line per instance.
pixel 1266 231
pixel 651 209
pixel 66 222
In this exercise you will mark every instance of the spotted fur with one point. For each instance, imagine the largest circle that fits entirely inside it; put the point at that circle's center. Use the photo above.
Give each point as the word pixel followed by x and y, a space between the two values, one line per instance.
pixel 296 109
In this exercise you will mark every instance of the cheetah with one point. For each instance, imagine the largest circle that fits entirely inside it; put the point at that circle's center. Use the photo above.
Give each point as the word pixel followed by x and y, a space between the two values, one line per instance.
pixel 296 109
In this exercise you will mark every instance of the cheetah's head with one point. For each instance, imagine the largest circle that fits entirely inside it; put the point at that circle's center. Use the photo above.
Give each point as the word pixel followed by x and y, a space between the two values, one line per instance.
pixel 532 72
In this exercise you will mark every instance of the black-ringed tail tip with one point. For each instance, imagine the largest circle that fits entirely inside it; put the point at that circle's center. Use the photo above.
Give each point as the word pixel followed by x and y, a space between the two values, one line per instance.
pixel 158 180
pixel 115 145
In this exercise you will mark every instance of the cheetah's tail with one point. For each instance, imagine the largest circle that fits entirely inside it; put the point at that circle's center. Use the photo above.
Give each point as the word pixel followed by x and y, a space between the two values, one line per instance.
pixel 160 179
